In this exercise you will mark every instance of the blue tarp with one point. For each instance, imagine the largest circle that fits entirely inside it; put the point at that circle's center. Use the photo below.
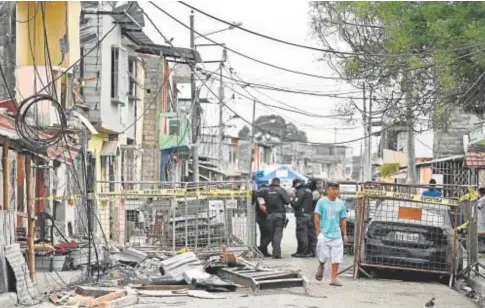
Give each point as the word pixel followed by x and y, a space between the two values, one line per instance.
pixel 285 174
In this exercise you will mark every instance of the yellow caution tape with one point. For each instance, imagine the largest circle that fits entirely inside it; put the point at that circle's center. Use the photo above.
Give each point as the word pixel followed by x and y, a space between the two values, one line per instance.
pixel 462 226
pixel 403 196
pixel 156 193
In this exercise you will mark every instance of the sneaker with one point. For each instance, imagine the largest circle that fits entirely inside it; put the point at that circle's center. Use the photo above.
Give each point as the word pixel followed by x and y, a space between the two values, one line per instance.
pixel 277 257
pixel 336 283
pixel 298 255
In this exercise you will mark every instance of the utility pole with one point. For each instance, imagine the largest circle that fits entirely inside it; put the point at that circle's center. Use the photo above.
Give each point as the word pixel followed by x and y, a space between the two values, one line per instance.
pixel 195 109
pixel 367 169
pixel 369 139
pixel 411 154
pixel 251 142
pixel 221 107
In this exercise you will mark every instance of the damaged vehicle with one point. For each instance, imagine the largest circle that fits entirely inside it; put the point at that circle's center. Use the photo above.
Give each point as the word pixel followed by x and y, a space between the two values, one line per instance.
pixel 414 236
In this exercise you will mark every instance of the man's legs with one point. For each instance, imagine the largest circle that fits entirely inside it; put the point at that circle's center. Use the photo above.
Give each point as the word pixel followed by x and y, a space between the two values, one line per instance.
pixel 300 237
pixel 278 222
pixel 312 238
pixel 336 255
pixel 269 227
pixel 264 238
pixel 323 254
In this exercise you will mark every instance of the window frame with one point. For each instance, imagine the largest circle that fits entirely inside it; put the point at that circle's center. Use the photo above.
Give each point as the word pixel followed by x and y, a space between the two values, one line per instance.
pixel 115 72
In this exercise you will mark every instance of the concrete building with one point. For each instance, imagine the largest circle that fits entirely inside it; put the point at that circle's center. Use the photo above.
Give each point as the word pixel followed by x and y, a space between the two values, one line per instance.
pixel 322 160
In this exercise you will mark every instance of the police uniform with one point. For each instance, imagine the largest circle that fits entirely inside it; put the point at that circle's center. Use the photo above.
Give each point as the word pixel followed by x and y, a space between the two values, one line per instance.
pixel 262 221
pixel 275 199
pixel 305 231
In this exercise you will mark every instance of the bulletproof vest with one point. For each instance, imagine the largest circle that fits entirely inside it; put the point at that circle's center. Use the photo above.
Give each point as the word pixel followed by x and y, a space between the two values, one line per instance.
pixel 273 200
pixel 307 205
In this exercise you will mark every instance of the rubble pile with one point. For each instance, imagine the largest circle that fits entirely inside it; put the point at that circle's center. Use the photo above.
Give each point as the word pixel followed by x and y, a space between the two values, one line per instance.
pixel 134 274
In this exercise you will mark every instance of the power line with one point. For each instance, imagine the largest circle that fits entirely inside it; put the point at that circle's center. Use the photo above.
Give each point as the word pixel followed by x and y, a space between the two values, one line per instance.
pixel 310 47
pixel 244 55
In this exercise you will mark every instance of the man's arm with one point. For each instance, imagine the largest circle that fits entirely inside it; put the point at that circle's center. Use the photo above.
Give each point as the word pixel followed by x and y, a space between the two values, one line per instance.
pixel 316 218
pixel 343 222
pixel 316 221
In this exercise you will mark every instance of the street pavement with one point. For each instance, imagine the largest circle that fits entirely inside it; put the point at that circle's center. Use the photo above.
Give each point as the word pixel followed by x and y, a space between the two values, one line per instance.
pixel 362 293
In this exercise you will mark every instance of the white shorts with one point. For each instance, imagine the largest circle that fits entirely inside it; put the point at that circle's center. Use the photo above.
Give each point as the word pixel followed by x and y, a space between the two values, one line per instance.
pixel 330 250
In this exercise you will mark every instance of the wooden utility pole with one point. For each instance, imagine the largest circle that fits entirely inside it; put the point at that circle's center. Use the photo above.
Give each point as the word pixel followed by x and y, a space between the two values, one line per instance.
pixel 195 109
pixel 30 221
pixel 6 174
pixel 251 142
pixel 20 188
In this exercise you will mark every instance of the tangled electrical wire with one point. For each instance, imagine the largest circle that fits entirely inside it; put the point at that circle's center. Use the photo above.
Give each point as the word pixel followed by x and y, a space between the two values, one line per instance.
pixel 28 128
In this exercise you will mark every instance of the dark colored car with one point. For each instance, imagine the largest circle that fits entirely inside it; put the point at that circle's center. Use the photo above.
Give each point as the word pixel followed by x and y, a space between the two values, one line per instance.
pixel 412 235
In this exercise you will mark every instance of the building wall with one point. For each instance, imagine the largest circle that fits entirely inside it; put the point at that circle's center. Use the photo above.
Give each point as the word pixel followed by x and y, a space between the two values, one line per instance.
pixel 113 115
pixel 450 142
pixel 154 72
pixel 62 21
pixel 7 52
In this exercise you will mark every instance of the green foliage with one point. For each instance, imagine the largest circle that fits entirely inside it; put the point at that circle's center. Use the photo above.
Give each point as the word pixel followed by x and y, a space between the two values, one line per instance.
pixel 273 126
pixel 435 49
pixel 388 169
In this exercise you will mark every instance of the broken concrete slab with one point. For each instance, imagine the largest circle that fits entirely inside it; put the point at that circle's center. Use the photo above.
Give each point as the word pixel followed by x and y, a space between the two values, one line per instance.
pixel 27 294
pixel 162 293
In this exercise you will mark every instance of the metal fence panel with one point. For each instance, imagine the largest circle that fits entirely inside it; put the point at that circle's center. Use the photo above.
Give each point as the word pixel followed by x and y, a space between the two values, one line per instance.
pixel 405 231
pixel 172 216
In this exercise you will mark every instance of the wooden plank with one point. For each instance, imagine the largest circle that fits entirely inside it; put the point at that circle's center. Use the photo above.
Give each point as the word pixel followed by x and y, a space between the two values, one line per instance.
pixel 106 298
pixel 6 174
pixel 30 222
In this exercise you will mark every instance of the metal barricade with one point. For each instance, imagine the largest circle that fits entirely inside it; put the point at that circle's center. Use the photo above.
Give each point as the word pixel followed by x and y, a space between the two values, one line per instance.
pixel 399 229
pixel 347 192
pixel 174 216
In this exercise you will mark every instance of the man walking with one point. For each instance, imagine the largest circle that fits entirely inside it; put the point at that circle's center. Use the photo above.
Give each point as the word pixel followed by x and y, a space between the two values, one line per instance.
pixel 302 205
pixel 330 224
pixel 275 199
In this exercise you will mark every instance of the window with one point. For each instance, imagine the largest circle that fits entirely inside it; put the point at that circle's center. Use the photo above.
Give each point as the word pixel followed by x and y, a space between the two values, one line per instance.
pixel 115 56
pixel 173 127
pixel 81 72
pixel 132 71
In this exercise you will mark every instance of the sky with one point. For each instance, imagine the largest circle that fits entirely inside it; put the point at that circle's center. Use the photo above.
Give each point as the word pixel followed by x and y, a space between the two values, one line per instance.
pixel 288 22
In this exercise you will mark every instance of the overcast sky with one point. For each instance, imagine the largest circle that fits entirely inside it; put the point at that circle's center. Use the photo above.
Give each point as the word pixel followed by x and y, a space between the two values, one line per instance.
pixel 288 22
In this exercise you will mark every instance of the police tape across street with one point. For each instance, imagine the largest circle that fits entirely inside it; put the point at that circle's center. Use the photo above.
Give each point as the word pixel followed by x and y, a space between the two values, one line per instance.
pixel 229 194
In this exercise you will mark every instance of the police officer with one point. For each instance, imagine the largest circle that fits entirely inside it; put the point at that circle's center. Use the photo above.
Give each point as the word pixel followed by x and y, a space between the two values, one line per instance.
pixel 312 238
pixel 275 199
pixel 262 221
pixel 303 207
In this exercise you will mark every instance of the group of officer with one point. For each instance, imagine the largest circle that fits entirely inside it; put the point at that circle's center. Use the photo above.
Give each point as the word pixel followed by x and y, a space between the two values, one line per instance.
pixel 271 203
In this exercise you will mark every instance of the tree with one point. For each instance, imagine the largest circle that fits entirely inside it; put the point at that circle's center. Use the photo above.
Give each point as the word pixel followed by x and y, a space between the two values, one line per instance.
pixel 244 133
pixel 272 128
pixel 420 58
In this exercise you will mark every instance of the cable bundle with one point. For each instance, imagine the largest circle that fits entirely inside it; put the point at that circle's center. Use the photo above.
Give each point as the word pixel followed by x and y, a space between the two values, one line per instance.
pixel 31 134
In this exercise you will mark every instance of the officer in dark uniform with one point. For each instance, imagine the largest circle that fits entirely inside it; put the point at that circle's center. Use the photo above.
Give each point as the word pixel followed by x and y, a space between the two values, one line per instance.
pixel 303 206
pixel 262 221
pixel 312 238
pixel 275 199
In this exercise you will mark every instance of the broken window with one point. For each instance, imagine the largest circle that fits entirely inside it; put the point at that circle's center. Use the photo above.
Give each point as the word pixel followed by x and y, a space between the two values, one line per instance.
pixel 115 57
